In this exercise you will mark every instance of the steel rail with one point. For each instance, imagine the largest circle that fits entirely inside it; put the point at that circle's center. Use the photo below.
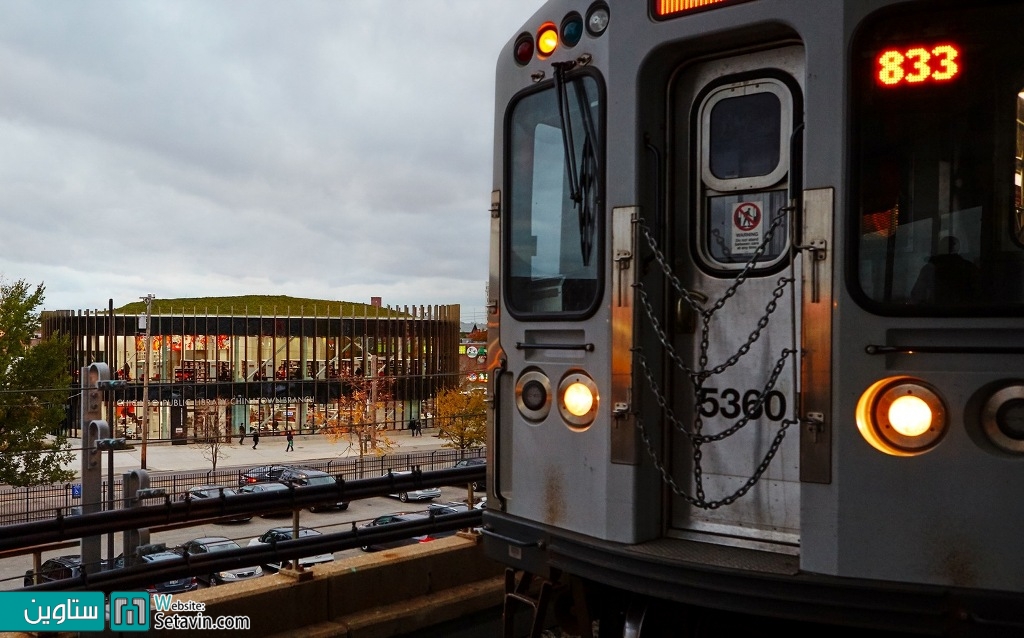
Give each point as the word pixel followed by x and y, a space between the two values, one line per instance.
pixel 171 512
pixel 147 574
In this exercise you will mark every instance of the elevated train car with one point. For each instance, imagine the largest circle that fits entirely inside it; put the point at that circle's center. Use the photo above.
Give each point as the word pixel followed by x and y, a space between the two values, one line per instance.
pixel 757 314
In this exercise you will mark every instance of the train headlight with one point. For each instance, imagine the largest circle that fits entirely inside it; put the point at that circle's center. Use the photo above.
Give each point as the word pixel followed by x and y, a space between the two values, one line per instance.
pixel 547 39
pixel 910 415
pixel 533 395
pixel 577 400
pixel 901 416
pixel 1002 418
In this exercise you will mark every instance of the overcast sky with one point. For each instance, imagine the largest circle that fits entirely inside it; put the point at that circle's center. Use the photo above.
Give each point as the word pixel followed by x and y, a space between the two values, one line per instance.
pixel 337 149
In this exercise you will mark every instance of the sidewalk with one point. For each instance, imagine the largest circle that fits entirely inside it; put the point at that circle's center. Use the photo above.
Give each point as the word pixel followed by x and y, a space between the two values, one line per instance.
pixel 163 456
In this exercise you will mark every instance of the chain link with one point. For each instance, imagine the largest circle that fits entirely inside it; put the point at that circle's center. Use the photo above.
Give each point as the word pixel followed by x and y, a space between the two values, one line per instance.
pixel 699 374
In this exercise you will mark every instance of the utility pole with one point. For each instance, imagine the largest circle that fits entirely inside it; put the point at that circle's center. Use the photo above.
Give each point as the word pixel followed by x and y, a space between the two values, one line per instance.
pixel 145 380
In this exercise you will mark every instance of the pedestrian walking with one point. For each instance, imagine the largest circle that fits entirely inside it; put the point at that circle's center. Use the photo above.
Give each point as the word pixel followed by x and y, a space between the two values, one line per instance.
pixel 414 427
pixel 241 431
pixel 288 436
pixel 255 438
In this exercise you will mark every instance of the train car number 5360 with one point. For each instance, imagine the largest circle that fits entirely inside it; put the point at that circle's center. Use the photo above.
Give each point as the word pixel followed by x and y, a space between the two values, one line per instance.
pixel 730 403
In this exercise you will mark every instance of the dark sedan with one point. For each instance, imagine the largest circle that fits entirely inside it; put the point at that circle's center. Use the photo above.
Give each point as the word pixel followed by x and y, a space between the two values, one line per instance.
pixel 59 568
pixel 261 474
pixel 301 477
pixel 264 488
pixel 278 534
pixel 478 486
pixel 391 519
pixel 176 586
pixel 203 492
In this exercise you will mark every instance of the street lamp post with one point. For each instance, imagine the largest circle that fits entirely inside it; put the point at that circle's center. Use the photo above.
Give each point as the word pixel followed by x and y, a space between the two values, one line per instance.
pixel 145 379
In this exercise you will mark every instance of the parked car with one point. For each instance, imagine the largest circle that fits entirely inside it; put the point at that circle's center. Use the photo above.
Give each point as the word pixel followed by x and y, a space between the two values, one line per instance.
pixel 261 474
pixel 447 508
pixel 301 476
pixel 478 486
pixel 391 519
pixel 176 586
pixel 59 568
pixel 263 488
pixel 278 534
pixel 203 492
pixel 427 494
pixel 212 544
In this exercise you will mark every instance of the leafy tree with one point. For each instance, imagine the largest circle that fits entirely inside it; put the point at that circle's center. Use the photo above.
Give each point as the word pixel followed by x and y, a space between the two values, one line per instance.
pixel 358 409
pixel 461 418
pixel 34 387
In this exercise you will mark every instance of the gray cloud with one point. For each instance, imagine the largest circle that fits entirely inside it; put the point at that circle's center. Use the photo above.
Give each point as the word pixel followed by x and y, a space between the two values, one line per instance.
pixel 329 149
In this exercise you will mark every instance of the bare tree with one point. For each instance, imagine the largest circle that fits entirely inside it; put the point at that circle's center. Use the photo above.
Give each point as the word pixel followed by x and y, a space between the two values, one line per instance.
pixel 209 435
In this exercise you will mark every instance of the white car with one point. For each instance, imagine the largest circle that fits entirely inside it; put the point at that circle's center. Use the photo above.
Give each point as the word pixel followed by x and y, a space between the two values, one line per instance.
pixel 278 534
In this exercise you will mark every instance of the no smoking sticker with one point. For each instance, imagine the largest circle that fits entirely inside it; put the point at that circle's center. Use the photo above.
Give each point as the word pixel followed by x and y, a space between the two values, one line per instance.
pixel 747 227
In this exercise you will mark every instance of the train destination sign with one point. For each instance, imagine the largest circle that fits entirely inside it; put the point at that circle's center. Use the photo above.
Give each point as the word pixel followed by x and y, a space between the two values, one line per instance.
pixel 918 65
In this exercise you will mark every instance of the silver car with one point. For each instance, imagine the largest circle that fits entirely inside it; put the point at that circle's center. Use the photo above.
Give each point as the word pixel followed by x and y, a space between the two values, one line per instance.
pixel 213 544
pixel 427 494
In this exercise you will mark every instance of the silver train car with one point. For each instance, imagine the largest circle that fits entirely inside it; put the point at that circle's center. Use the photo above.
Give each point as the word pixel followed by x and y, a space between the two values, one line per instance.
pixel 757 315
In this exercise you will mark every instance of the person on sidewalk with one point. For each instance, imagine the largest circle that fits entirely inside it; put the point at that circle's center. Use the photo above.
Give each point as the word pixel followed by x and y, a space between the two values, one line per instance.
pixel 255 438
pixel 241 430
pixel 288 436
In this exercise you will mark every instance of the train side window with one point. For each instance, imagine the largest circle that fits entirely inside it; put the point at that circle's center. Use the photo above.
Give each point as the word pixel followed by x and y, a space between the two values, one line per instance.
pixel 744 129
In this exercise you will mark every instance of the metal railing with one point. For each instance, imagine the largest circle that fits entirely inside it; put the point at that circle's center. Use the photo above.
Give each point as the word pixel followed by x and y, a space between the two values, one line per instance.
pixel 44 502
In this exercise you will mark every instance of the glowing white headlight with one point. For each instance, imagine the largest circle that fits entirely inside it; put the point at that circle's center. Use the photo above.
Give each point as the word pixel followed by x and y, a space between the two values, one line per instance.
pixel 910 415
pixel 901 416
pixel 577 399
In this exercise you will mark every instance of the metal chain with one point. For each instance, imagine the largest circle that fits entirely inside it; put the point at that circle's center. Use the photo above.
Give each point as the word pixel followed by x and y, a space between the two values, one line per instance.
pixel 757 406
pixel 755 334
pixel 701 501
pixel 700 374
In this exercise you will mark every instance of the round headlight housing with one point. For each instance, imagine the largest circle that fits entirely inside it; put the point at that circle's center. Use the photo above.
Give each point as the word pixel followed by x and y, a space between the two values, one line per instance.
pixel 533 395
pixel 577 400
pixel 1002 418
pixel 902 416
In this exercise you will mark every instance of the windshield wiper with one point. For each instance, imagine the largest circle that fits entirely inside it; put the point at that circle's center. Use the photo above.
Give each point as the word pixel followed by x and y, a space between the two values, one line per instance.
pixel 583 186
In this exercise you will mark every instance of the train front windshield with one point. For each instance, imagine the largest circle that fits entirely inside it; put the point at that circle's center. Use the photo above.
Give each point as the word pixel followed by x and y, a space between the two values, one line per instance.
pixel 940 112
pixel 552 231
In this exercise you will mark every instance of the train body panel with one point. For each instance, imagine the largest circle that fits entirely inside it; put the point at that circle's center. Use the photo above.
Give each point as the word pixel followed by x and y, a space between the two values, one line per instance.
pixel 750 237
